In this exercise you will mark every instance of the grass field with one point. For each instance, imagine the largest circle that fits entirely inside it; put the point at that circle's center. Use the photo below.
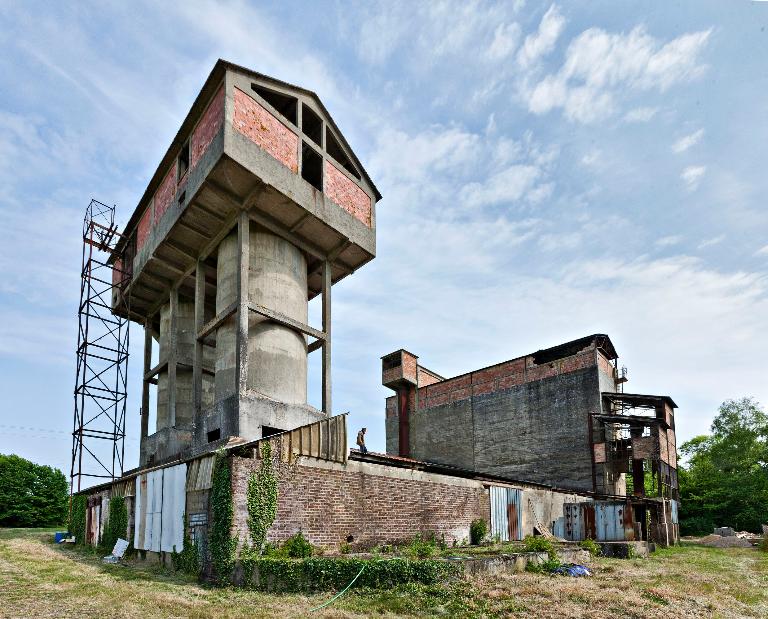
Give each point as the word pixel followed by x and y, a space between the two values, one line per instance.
pixel 38 579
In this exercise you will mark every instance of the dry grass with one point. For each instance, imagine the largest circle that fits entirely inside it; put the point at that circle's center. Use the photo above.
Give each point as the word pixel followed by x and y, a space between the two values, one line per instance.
pixel 38 579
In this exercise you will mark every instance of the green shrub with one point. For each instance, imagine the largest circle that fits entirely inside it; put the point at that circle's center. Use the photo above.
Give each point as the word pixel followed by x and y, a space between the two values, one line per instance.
pixel 539 544
pixel 424 545
pixel 188 560
pixel 477 531
pixel 326 573
pixel 222 546
pixel 261 498
pixel 592 546
pixel 345 548
pixel 764 543
pixel 297 546
pixel 547 567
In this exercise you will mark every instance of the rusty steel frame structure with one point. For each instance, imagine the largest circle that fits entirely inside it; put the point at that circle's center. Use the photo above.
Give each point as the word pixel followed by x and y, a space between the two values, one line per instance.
pixel 102 354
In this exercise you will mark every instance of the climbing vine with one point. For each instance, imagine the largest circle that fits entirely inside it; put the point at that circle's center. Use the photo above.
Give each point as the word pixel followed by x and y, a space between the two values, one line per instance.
pixel 78 518
pixel 117 525
pixel 188 560
pixel 261 499
pixel 222 545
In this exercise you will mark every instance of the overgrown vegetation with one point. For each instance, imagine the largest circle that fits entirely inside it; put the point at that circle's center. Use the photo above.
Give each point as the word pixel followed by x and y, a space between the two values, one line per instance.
pixel 297 546
pixel 117 524
pixel 326 573
pixel 31 495
pixel 188 560
pixel 533 543
pixel 592 546
pixel 222 545
pixel 478 529
pixel 77 521
pixel 261 499
pixel 724 481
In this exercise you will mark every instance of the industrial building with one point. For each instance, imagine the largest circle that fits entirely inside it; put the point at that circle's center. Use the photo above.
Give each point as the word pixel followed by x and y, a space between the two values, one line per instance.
pixel 258 206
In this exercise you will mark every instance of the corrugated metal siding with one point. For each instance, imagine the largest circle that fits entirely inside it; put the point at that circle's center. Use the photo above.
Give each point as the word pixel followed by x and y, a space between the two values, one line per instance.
pixel 506 513
pixel 160 505
pixel 574 522
pixel 609 521
pixel 200 474
pixel 325 439
pixel 675 507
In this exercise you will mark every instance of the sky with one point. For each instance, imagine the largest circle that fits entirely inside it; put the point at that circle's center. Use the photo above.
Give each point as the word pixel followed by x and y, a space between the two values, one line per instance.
pixel 549 171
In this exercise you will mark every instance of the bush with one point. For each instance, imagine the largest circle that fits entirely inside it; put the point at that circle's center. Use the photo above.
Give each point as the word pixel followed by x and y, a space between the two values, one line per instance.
pixel 326 573
pixel 592 546
pixel 297 546
pixel 764 543
pixel 539 544
pixel 477 531
pixel 425 545
pixel 547 567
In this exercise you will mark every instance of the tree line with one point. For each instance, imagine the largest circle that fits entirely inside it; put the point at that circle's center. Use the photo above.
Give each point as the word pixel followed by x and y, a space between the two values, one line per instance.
pixel 31 495
pixel 724 478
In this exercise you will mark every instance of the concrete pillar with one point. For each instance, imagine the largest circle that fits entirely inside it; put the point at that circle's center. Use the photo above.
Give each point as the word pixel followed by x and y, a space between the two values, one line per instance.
pixel 277 355
pixel 184 355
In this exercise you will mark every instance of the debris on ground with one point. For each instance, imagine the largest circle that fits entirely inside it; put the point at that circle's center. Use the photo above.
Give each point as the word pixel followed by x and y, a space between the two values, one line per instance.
pixel 572 569
pixel 718 541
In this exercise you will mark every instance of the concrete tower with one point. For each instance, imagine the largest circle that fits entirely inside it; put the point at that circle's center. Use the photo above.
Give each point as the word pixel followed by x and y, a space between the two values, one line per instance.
pixel 258 206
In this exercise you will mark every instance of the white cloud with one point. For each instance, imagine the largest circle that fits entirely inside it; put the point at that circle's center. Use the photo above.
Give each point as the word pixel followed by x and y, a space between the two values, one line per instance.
pixel 599 65
pixel 668 241
pixel 509 185
pixel 505 40
pixel 544 39
pixel 692 176
pixel 715 240
pixel 640 114
pixel 592 158
pixel 763 251
pixel 687 141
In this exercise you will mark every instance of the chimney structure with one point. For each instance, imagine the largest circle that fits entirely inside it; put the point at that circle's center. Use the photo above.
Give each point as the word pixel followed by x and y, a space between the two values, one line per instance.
pixel 258 206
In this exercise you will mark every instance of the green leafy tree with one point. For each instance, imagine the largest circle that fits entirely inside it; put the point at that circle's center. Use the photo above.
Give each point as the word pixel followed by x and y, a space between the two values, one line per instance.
pixel 724 481
pixel 31 495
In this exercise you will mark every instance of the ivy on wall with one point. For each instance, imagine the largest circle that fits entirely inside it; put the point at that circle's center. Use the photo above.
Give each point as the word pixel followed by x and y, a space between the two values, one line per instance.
pixel 117 525
pixel 188 560
pixel 261 499
pixel 77 521
pixel 222 545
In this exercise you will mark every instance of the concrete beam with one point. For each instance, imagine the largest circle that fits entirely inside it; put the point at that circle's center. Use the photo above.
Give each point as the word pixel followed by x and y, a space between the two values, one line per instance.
pixel 145 383
pixel 243 257
pixel 326 302
pixel 285 320
pixel 173 342
pixel 197 368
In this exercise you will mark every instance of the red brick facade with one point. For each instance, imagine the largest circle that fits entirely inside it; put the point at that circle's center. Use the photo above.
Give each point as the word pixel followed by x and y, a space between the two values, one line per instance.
pixel 256 123
pixel 330 502
pixel 207 128
pixel 347 194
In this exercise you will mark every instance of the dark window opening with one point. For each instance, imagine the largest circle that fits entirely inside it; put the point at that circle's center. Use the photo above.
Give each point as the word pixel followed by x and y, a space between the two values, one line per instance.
pixel 214 435
pixel 183 161
pixel 393 361
pixel 335 150
pixel 311 125
pixel 267 431
pixel 311 166
pixel 350 539
pixel 182 197
pixel 285 104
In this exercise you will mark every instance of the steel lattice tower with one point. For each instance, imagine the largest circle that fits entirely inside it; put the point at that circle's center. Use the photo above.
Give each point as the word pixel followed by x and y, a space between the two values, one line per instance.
pixel 98 433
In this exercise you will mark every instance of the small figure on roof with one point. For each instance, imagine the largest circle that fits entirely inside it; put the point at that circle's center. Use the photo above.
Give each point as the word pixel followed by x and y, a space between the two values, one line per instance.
pixel 361 441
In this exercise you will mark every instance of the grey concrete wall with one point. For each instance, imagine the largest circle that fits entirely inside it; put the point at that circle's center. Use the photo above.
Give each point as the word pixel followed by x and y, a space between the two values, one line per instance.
pixel 537 431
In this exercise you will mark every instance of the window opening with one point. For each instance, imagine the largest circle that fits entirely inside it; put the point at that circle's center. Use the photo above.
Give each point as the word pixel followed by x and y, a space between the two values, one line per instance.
pixel 285 104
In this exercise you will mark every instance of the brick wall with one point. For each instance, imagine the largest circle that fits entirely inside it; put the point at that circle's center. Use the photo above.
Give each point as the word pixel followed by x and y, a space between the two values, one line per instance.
pixel 516 419
pixel 207 128
pixel 372 503
pixel 257 124
pixel 347 194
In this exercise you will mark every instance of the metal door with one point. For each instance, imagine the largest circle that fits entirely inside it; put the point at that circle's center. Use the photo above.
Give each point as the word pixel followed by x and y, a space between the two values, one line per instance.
pixel 506 513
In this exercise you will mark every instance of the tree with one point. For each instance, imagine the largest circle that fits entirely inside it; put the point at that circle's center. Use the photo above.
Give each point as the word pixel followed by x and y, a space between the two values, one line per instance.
pixel 725 479
pixel 31 495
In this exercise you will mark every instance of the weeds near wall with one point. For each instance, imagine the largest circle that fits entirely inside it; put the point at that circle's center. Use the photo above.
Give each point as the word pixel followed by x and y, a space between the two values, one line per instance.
pixel 478 529
pixel 592 546
pixel 323 574
pixel 188 560
pixel 222 545
pixel 77 522
pixel 261 499
pixel 117 525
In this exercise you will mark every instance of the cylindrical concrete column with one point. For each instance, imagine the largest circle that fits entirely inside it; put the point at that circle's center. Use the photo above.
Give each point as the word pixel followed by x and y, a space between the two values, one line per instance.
pixel 277 355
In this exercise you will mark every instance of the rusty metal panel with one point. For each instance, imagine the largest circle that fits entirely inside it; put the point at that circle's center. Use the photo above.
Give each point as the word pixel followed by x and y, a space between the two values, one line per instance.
pixel 588 512
pixel 515 513
pixel 574 522
pixel 610 521
pixel 499 515
pixel 200 474
pixel 599 449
